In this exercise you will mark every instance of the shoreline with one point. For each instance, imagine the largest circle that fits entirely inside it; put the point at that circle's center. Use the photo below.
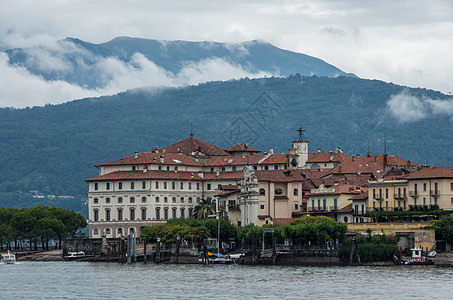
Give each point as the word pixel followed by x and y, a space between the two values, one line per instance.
pixel 442 259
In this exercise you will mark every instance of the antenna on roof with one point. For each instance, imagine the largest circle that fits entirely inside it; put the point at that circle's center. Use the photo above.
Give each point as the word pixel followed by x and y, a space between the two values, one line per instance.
pixel 191 130
pixel 385 138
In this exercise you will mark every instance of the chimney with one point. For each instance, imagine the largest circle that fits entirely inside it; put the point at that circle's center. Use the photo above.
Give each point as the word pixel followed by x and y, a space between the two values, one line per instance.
pixel 271 150
pixel 331 157
pixel 161 159
pixel 163 150
pixel 330 151
pixel 136 154
pixel 319 150
pixel 217 172
pixel 368 154
pixel 230 160
pixel 245 145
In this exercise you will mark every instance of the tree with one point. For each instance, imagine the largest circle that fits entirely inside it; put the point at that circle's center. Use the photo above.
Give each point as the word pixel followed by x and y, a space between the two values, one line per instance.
pixel 444 228
pixel 205 208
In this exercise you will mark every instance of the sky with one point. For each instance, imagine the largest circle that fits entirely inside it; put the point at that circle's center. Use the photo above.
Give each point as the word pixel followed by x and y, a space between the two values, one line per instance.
pixel 407 42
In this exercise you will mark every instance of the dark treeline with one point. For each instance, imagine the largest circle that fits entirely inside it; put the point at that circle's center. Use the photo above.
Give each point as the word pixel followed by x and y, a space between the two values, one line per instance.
pixel 38 224
pixel 54 148
pixel 302 232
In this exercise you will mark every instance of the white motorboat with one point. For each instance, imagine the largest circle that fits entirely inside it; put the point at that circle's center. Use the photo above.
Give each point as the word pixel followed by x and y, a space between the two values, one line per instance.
pixel 9 258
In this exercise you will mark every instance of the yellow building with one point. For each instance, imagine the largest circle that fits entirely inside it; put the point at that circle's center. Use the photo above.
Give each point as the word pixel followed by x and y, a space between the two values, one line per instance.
pixel 388 195
pixel 431 187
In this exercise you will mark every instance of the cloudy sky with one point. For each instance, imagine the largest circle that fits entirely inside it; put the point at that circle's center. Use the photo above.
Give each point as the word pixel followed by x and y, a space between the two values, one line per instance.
pixel 407 42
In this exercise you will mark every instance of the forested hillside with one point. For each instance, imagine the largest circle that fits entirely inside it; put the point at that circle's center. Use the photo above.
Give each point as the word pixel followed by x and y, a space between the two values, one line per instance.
pixel 54 148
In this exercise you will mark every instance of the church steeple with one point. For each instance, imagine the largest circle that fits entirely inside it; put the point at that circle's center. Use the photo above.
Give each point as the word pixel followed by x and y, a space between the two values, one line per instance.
pixel 301 147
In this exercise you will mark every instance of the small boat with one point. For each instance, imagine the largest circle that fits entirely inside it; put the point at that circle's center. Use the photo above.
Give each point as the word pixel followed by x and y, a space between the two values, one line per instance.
pixel 417 258
pixel 9 258
pixel 220 259
pixel 74 255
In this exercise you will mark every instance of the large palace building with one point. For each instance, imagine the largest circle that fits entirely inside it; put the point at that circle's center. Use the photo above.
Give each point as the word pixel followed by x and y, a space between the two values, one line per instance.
pixel 255 187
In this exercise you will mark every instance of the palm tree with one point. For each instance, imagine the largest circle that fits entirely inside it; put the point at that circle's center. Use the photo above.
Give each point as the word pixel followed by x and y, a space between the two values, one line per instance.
pixel 204 208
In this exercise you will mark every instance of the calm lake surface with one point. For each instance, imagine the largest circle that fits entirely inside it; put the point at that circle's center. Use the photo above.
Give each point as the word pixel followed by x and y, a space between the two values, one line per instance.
pixel 84 280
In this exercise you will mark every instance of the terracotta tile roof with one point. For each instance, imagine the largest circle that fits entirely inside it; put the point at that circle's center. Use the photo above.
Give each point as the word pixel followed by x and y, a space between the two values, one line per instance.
pixel 361 196
pixel 155 158
pixel 325 157
pixel 314 173
pixel 170 175
pixel 434 172
pixel 191 145
pixel 361 180
pixel 279 176
pixel 341 189
pixel 346 209
pixel 226 187
pixel 370 165
pixel 241 148
pixel 245 160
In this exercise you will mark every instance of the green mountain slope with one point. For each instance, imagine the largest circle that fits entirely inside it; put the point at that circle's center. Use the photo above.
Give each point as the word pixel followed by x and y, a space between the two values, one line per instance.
pixel 54 148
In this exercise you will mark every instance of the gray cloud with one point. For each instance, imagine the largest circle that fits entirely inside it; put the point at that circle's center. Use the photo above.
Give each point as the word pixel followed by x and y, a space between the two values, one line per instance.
pixel 405 107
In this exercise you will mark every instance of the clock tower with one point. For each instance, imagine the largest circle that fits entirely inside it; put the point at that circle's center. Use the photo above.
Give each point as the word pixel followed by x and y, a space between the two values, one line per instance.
pixel 301 147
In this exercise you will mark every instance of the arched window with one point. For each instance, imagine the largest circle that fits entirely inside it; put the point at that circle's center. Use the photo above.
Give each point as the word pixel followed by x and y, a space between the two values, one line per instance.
pixel 183 213
pixel 173 213
pixel 296 192
pixel 96 231
pixel 120 231
pixel 278 191
pixel 157 213
pixel 262 192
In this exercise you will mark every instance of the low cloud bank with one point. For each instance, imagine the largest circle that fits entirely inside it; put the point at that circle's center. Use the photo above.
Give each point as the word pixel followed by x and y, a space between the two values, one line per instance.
pixel 20 88
pixel 405 107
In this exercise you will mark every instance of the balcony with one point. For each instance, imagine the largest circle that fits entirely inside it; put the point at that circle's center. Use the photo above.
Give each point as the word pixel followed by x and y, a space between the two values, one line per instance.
pixel 413 193
pixel 233 207
pixel 434 192
pixel 400 197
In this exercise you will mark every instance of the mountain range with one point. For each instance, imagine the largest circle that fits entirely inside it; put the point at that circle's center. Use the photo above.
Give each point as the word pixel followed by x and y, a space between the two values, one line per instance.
pixel 90 65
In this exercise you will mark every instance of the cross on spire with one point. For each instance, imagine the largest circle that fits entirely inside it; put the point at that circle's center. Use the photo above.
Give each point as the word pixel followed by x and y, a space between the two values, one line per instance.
pixel 300 130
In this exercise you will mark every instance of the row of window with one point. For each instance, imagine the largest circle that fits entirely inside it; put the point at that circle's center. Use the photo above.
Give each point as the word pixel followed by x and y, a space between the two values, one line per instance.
pixel 145 200
pixel 403 203
pixel 164 185
pixel 377 193
pixel 324 204
pixel 108 231
pixel 143 216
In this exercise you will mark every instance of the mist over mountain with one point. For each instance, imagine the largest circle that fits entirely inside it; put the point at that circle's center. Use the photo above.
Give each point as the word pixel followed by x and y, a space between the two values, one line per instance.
pixel 161 63
pixel 55 147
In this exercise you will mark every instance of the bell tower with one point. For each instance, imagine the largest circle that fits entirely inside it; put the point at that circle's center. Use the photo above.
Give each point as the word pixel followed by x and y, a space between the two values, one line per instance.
pixel 301 147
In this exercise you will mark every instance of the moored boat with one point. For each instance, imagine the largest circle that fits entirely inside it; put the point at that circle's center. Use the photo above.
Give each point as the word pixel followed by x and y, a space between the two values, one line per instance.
pixel 417 258
pixel 74 255
pixel 9 258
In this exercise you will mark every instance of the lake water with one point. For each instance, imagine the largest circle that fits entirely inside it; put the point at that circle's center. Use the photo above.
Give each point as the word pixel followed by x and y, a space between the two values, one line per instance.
pixel 84 280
